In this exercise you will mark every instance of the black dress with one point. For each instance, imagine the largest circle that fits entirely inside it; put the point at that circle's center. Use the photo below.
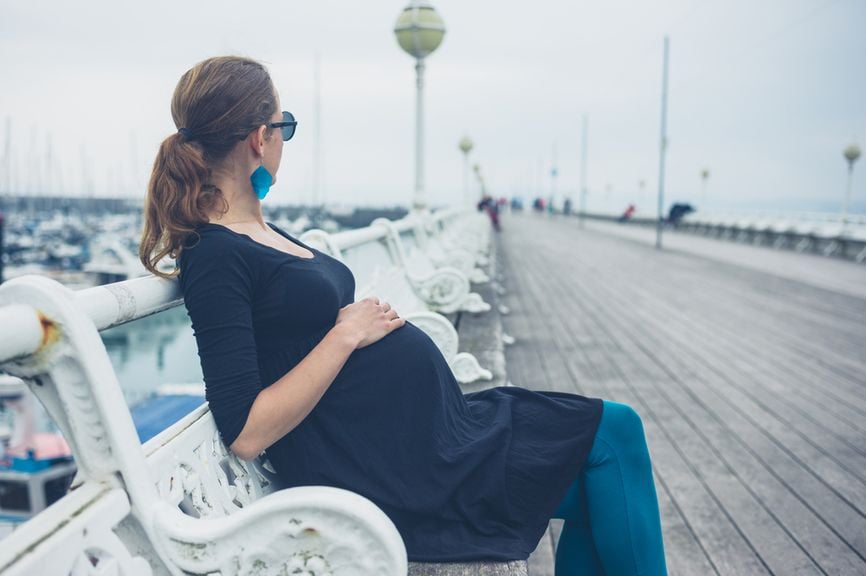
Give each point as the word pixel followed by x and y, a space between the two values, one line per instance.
pixel 462 476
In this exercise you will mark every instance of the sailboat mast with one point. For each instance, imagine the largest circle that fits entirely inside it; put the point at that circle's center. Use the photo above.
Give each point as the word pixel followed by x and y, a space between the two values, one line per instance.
pixel 317 151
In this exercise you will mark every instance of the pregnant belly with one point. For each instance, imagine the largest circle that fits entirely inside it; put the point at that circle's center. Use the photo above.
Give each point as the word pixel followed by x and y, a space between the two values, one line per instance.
pixel 403 351
pixel 406 361
pixel 393 401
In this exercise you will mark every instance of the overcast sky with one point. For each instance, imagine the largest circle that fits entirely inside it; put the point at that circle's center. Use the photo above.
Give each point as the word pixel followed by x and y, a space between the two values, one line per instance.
pixel 763 93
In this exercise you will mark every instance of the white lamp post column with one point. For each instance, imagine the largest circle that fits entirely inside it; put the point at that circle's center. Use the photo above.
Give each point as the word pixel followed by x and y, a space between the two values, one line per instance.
pixel 851 153
pixel 419 30
pixel 705 175
pixel 477 170
pixel 419 202
pixel 466 148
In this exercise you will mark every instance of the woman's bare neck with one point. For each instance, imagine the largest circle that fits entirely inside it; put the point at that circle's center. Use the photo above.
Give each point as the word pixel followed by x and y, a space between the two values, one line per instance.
pixel 239 221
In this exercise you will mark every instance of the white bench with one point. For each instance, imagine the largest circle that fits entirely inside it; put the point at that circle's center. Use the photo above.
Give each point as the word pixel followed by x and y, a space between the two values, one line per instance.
pixel 191 506
pixel 377 263
pixel 428 249
pixel 406 244
pixel 458 230
pixel 182 503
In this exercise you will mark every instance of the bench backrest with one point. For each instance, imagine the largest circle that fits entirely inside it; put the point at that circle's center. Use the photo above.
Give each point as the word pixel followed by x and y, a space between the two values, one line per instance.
pixel 379 264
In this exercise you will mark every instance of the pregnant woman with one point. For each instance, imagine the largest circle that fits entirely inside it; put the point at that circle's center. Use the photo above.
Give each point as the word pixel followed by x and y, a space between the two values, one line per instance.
pixel 348 394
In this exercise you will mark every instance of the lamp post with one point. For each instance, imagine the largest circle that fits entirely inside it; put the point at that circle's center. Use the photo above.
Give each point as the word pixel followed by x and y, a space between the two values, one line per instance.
pixel 1 245
pixel 851 153
pixel 554 172
pixel 705 175
pixel 466 148
pixel 477 169
pixel 663 145
pixel 583 140
pixel 419 30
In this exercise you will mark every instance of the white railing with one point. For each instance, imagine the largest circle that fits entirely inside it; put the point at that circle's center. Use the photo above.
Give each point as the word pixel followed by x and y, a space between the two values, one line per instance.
pixel 182 503
pixel 827 234
pixel 824 233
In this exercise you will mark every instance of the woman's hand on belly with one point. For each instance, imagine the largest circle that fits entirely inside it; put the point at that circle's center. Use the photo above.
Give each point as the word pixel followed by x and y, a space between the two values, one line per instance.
pixel 368 321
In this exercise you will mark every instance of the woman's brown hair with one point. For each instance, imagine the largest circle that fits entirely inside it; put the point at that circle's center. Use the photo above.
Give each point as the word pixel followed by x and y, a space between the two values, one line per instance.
pixel 216 103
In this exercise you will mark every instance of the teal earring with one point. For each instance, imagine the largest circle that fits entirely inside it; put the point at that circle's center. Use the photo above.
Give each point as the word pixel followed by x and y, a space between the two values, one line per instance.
pixel 261 180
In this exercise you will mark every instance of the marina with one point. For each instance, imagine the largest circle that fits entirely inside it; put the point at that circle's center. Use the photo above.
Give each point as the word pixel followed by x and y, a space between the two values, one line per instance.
pixel 84 242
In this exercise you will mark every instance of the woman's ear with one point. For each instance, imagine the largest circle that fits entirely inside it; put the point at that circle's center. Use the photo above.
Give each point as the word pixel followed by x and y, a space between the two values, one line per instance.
pixel 257 140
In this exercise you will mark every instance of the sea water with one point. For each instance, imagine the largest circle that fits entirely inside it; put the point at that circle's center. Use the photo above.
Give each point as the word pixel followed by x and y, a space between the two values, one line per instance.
pixel 154 351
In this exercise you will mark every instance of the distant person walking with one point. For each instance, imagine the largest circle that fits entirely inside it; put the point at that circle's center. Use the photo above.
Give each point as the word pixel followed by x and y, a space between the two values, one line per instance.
pixel 538 204
pixel 677 212
pixel 491 206
pixel 626 216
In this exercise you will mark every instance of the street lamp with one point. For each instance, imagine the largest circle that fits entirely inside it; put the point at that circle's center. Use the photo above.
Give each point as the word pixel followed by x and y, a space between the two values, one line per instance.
pixel 419 30
pixel 851 154
pixel 466 147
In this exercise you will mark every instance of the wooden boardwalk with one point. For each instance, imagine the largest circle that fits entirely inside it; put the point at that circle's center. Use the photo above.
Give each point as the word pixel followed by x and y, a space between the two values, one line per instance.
pixel 751 385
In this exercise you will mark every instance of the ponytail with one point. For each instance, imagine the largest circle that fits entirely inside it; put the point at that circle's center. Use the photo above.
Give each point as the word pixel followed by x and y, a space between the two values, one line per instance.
pixel 178 199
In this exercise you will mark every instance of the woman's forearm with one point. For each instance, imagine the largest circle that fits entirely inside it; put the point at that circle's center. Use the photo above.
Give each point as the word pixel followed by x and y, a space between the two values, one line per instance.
pixel 285 403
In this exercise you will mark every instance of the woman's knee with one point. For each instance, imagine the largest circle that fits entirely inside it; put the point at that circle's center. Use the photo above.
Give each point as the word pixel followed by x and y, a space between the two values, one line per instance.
pixel 623 415
pixel 621 425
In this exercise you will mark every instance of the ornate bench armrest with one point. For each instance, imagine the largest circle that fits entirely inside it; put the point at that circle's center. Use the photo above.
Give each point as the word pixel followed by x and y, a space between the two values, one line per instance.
pixel 439 329
pixel 74 536
pixel 307 530
pixel 443 289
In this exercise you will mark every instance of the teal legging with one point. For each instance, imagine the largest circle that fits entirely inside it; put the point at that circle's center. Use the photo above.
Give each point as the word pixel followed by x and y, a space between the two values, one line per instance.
pixel 611 512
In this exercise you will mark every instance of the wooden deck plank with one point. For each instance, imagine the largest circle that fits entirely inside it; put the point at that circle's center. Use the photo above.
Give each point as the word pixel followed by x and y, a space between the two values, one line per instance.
pixel 787 473
pixel 541 562
pixel 683 550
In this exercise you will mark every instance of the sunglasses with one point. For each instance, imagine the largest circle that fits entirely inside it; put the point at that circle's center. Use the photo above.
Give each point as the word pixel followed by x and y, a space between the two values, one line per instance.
pixel 287 126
